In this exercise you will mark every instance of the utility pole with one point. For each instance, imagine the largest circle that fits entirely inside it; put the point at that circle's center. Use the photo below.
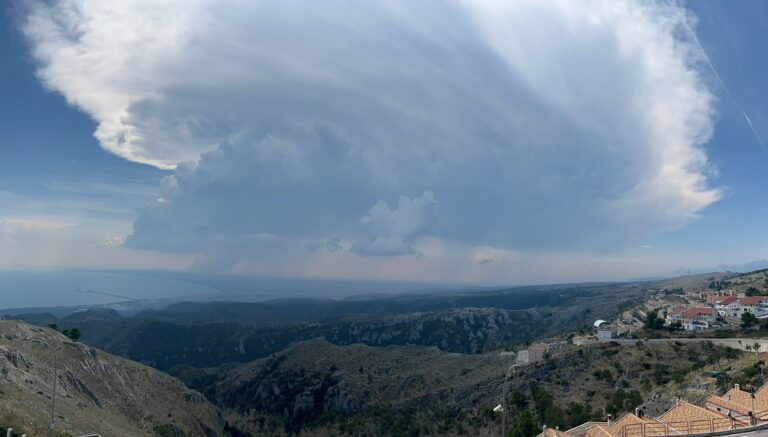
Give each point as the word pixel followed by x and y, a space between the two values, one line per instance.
pixel 53 398
pixel 504 407
pixel 504 400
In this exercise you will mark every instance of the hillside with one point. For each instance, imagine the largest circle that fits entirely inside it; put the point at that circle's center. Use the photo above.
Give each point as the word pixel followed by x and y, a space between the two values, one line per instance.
pixel 210 334
pixel 96 392
pixel 757 281
pixel 356 389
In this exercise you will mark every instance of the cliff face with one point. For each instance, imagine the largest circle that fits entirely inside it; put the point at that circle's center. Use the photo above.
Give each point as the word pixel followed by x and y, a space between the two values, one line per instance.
pixel 96 392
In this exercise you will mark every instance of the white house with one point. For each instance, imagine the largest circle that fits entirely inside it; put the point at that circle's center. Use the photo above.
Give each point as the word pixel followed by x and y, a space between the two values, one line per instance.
pixel 734 307
pixel 728 306
pixel 757 305
pixel 675 315
pixel 697 319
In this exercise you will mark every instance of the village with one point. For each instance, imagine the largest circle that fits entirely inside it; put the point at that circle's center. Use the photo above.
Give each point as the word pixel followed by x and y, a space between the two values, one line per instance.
pixel 721 317
pixel 722 313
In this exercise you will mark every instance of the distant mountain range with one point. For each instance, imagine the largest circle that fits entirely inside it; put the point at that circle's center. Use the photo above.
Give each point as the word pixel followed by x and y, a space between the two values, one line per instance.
pixel 746 267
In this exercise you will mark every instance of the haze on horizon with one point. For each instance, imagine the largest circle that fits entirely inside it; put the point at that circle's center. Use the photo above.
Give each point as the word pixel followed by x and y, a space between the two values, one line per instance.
pixel 449 142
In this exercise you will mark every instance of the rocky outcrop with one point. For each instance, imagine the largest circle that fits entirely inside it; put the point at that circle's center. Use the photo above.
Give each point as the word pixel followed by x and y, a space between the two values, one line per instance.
pixel 96 392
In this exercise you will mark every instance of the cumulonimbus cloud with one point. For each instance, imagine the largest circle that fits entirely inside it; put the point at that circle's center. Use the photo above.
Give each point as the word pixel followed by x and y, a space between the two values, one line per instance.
pixel 531 123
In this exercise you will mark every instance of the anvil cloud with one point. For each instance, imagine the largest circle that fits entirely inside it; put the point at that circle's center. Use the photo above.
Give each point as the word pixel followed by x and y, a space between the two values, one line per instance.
pixel 365 126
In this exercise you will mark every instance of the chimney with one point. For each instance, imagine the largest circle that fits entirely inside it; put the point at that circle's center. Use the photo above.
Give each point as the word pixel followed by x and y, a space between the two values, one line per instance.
pixel 737 386
pixel 609 420
pixel 639 412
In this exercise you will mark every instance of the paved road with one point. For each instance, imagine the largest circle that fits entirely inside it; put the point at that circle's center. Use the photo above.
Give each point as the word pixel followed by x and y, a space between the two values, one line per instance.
pixel 760 433
pixel 735 343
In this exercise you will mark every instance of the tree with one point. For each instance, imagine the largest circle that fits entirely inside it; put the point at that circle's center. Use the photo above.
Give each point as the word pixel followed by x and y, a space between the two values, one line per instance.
pixel 578 413
pixel 525 426
pixel 73 334
pixel 748 320
pixel 756 347
pixel 752 291
pixel 653 321
pixel 54 326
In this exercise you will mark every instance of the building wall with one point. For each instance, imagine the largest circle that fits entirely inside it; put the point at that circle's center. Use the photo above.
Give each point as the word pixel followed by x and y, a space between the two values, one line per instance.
pixel 606 335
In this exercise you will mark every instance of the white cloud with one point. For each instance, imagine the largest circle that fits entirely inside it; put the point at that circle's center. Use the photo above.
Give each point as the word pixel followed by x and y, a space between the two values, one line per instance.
pixel 114 241
pixel 11 226
pixel 537 124
pixel 486 255
pixel 393 231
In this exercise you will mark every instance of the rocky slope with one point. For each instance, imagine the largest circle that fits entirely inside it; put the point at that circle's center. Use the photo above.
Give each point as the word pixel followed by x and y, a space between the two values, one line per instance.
pixel 357 387
pixel 97 392
pixel 211 334
pixel 327 389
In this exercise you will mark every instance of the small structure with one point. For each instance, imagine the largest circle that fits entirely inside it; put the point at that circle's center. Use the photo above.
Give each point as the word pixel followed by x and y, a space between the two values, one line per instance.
pixel 607 332
pixel 599 322
pixel 534 353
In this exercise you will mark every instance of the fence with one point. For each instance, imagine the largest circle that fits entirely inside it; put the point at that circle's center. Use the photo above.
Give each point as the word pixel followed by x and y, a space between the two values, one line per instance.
pixel 677 427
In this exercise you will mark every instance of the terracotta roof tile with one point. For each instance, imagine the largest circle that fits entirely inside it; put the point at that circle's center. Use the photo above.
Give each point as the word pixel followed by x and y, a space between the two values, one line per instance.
pixel 598 431
pixel 549 432
pixel 689 419
pixel 677 310
pixel 753 300
pixel 741 402
pixel 762 392
pixel 726 300
pixel 632 426
pixel 693 312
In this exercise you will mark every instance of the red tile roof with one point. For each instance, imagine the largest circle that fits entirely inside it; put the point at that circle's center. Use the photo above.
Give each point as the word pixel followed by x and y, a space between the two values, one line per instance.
pixel 677 310
pixel 753 300
pixel 693 312
pixel 727 300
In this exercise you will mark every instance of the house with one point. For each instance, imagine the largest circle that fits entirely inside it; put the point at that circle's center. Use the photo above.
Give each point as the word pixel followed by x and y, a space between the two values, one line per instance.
pixel 757 305
pixel 687 418
pixel 549 432
pixel 630 425
pixel 733 307
pixel 697 319
pixel 675 315
pixel 740 405
pixel 728 306
pixel 727 414
pixel 534 353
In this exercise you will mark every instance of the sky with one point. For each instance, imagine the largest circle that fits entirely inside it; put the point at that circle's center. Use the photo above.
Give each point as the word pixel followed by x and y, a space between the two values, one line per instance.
pixel 461 141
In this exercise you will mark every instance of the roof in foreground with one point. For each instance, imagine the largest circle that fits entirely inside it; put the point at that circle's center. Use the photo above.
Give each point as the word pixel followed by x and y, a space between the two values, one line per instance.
pixel 549 432
pixel 686 412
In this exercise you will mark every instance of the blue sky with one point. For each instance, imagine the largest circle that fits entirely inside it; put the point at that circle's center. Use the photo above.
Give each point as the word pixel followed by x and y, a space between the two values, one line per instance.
pixel 484 143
